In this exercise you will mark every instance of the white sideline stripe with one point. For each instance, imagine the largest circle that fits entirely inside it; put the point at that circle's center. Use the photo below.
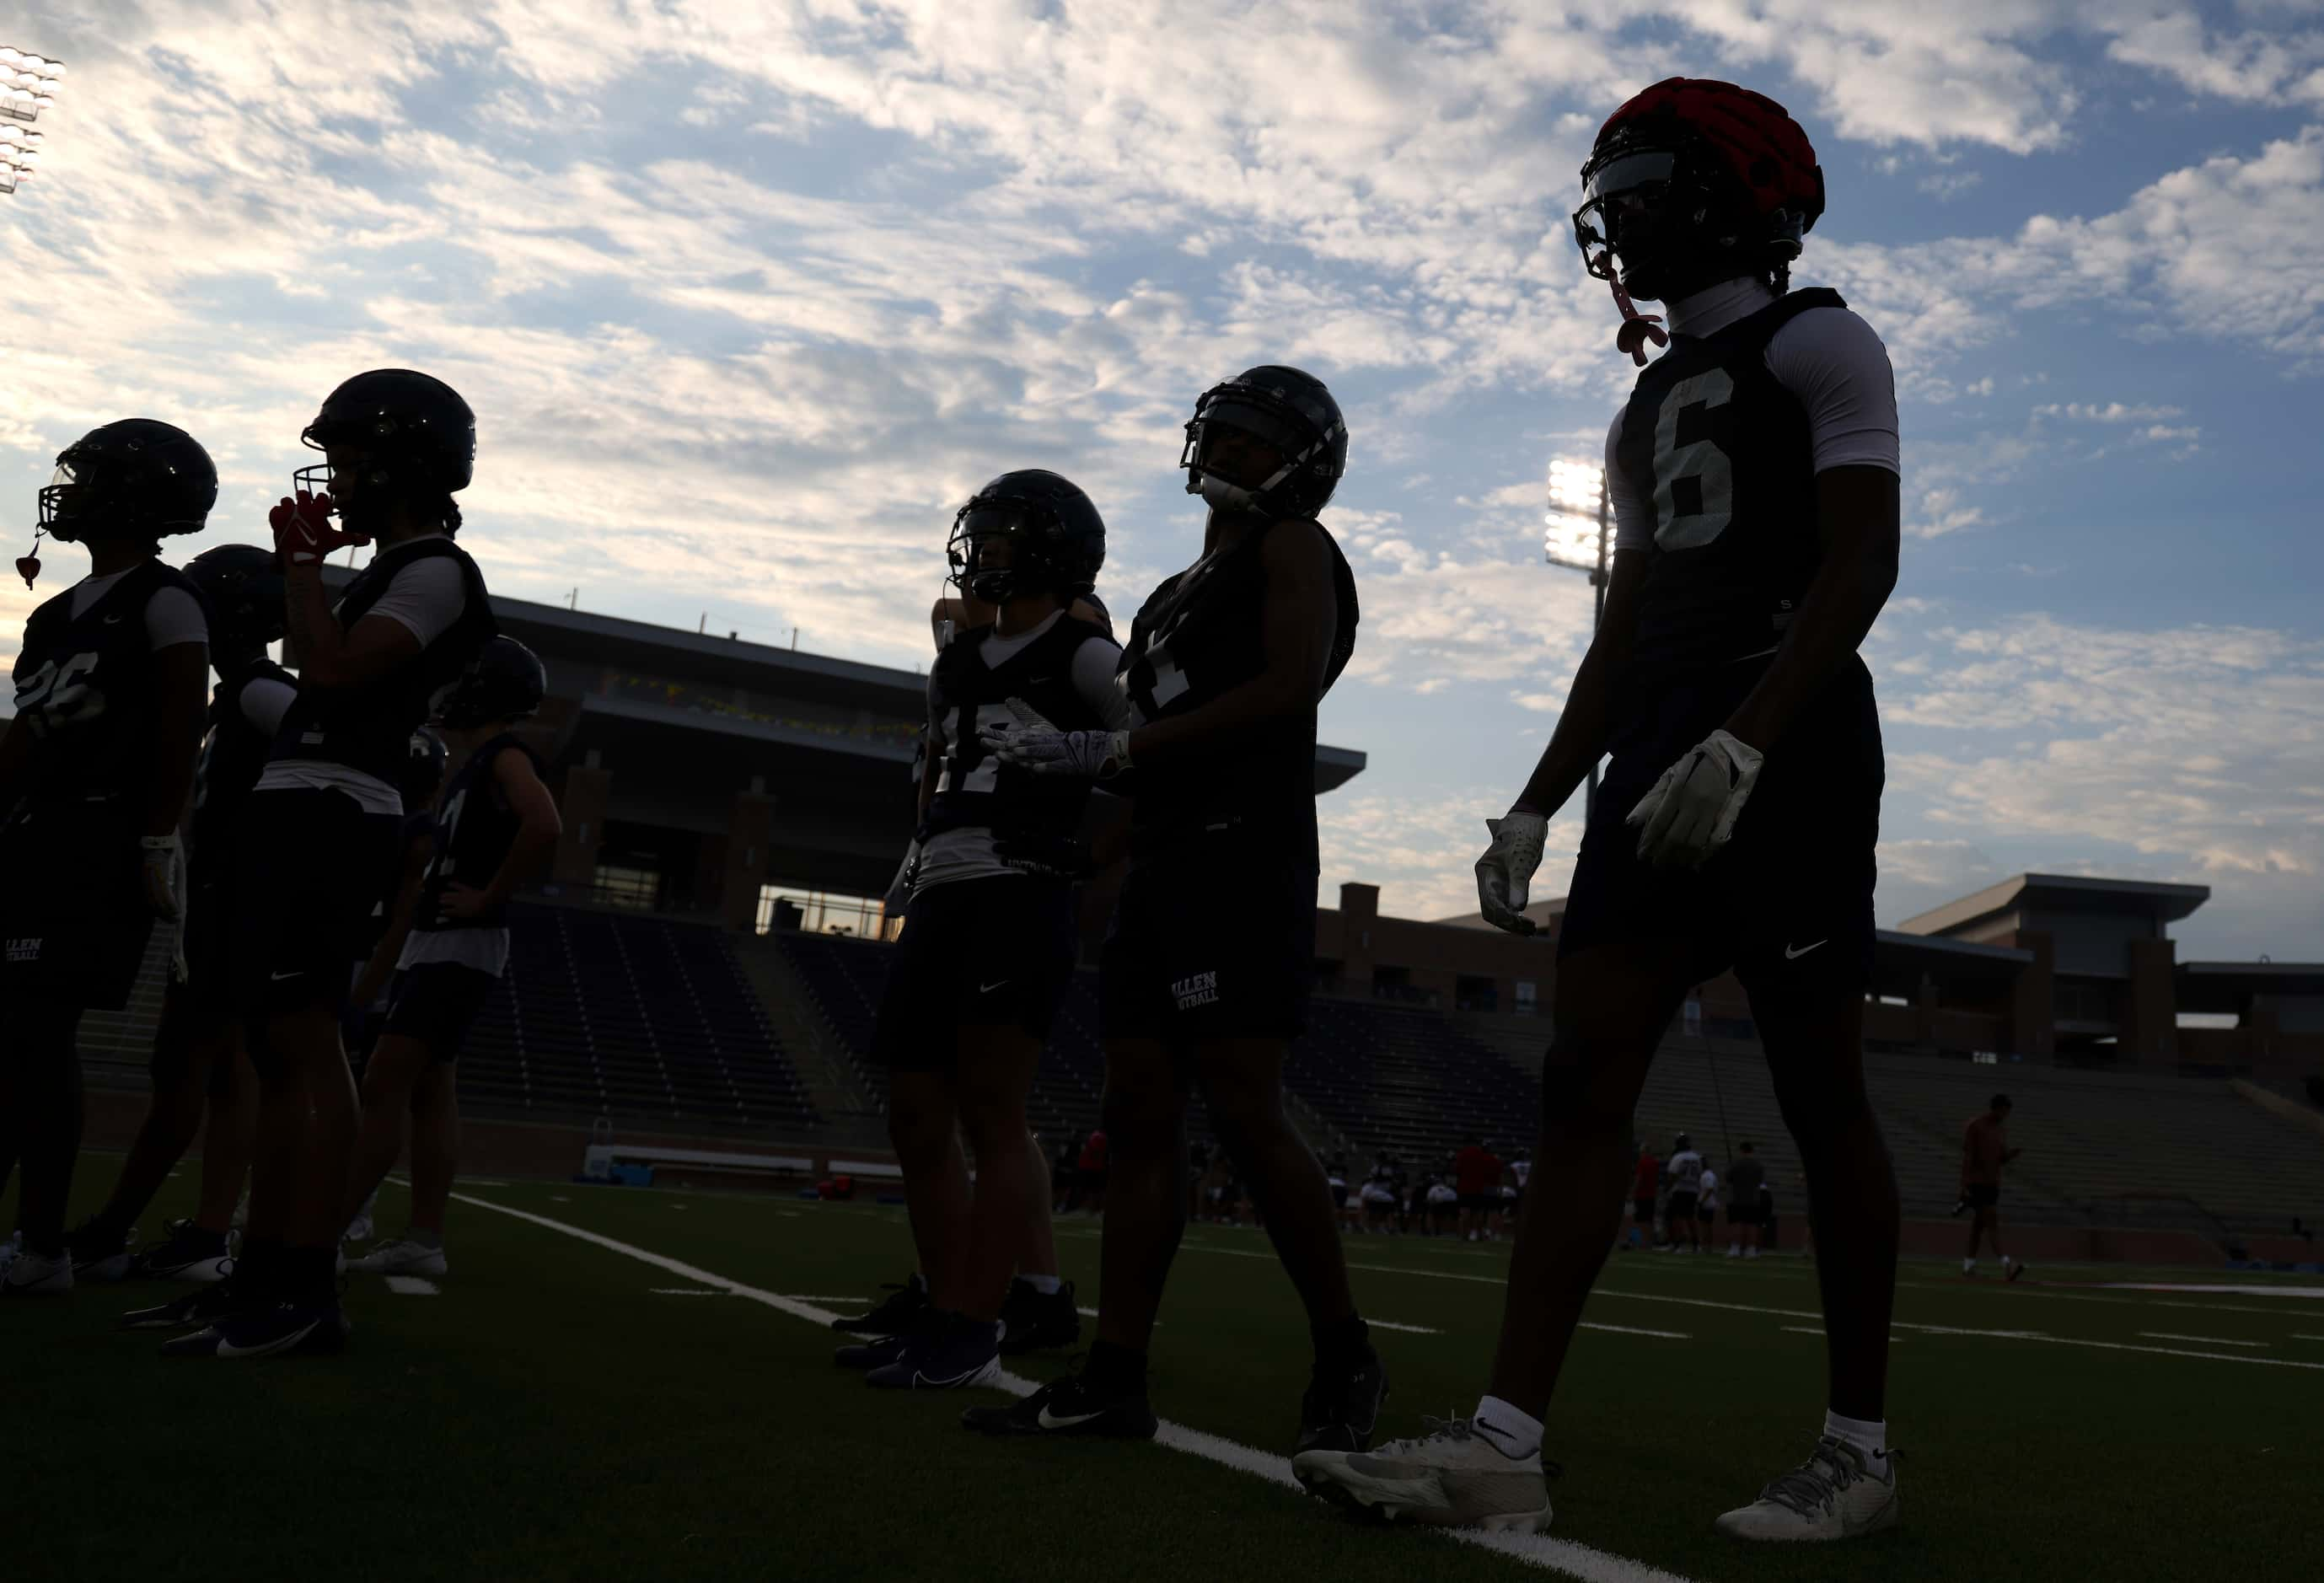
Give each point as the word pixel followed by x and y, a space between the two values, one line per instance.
pixel 466 1181
pixel 412 1285
pixel 1633 1331
pixel 2298 1337
pixel 2206 1340
pixel 1802 1314
pixel 1377 1324
pixel 2224 1291
pixel 1556 1555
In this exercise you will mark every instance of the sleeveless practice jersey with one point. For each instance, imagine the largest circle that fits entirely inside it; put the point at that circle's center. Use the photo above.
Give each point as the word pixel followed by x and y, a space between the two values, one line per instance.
pixel 976 791
pixel 233 754
pixel 1199 635
pixel 85 690
pixel 1723 451
pixel 474 832
pixel 368 727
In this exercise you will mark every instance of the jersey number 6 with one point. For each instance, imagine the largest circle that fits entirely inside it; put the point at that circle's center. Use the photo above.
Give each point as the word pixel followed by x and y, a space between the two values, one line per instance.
pixel 1689 518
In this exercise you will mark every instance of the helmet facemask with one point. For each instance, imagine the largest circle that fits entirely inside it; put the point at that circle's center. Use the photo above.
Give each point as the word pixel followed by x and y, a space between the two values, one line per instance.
pixel 1252 452
pixel 987 523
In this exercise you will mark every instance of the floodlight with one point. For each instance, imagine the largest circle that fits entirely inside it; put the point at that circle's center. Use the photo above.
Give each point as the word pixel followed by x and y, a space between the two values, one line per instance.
pixel 1574 524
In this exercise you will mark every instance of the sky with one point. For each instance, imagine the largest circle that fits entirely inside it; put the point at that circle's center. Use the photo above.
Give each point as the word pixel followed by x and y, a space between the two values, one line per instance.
pixel 748 298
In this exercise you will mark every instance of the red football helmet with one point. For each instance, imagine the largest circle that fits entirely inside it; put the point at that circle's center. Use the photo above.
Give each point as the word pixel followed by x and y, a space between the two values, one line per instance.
pixel 1698 174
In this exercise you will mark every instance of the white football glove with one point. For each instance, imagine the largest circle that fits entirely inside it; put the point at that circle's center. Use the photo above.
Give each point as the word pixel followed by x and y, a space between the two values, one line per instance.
pixel 1505 873
pixel 165 875
pixel 1692 811
pixel 1033 743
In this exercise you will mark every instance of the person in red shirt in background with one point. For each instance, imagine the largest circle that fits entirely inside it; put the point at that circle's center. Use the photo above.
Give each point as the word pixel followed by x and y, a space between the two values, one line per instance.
pixel 1985 1150
pixel 1645 1187
pixel 1477 1179
pixel 1092 1168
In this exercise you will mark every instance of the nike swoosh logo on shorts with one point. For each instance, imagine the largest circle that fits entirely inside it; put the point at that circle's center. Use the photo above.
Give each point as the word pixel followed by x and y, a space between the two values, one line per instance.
pixel 1790 955
pixel 1048 1419
pixel 280 977
pixel 988 988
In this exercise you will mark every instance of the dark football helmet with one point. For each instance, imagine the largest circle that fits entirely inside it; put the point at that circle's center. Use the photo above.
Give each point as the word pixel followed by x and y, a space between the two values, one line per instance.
pixel 1056 539
pixel 134 477
pixel 1291 414
pixel 1694 181
pixel 409 436
pixel 505 681
pixel 241 587
pixel 423 771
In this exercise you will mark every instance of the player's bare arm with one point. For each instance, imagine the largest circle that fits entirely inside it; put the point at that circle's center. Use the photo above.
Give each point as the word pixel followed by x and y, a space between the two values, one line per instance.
pixel 331 657
pixel 181 675
pixel 1857 526
pixel 1302 617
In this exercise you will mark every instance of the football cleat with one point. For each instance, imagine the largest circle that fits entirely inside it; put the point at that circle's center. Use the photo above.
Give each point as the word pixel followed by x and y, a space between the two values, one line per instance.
pixel 276 1329
pixel 1341 1405
pixel 1070 1405
pixel 401 1257
pixel 1450 1477
pixel 1838 1493
pixel 895 1316
pixel 954 1351
pixel 188 1254
pixel 33 1274
pixel 215 1302
pixel 98 1254
pixel 873 1354
pixel 1032 1320
pixel 360 1229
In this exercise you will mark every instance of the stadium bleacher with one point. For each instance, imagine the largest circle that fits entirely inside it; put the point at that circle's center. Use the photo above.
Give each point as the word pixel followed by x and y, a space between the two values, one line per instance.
pixel 604 1013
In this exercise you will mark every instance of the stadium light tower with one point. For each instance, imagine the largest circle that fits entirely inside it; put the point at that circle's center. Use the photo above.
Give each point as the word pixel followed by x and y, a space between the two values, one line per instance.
pixel 29 84
pixel 1574 527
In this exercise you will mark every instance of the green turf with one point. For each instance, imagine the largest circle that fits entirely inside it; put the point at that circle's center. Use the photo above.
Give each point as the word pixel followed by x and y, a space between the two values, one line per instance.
pixel 548 1415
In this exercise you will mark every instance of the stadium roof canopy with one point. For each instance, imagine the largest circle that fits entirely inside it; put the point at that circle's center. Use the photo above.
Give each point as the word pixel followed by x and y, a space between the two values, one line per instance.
pixel 2155 901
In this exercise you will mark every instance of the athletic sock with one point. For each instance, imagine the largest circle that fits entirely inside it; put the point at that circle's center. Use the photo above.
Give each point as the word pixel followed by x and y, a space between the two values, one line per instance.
pixel 1046 1285
pixel 1968 1266
pixel 1866 1435
pixel 1116 1368
pixel 434 1239
pixel 1342 1342
pixel 1513 1434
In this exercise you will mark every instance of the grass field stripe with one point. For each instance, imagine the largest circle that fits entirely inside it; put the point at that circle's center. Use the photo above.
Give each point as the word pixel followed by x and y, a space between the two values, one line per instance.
pixel 1557 1555
pixel 2206 1340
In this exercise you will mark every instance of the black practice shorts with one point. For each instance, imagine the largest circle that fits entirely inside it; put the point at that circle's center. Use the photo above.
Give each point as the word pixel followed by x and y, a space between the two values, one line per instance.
pixel 1482 1203
pixel 202 1006
pixel 1981 1197
pixel 1740 1216
pixel 1682 1206
pixel 314 865
pixel 974 952
pixel 1786 904
pixel 436 1002
pixel 1641 1210
pixel 1213 939
pixel 74 919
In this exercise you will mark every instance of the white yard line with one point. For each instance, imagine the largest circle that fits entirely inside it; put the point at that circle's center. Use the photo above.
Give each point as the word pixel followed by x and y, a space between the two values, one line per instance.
pixel 1808 1314
pixel 685 1291
pixel 1381 1324
pixel 1633 1331
pixel 2298 1337
pixel 2206 1340
pixel 1539 1550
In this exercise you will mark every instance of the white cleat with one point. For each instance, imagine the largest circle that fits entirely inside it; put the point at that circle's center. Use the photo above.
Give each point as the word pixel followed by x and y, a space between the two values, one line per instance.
pixel 1836 1493
pixel 31 1275
pixel 1450 1477
pixel 403 1257
pixel 360 1229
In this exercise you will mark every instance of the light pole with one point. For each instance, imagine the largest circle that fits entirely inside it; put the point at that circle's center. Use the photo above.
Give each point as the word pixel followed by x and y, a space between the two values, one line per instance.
pixel 1575 525
pixel 29 84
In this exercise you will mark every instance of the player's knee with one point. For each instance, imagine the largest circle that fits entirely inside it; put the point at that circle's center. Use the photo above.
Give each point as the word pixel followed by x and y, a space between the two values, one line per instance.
pixel 1590 1085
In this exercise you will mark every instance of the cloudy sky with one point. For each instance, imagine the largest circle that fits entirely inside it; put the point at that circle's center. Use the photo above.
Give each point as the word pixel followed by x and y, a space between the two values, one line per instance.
pixel 748 297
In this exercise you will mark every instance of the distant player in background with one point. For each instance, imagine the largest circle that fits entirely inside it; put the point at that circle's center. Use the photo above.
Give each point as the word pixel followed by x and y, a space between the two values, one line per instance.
pixel 1645 1194
pixel 1477 1183
pixel 1207 970
pixel 1706 1207
pixel 95 772
pixel 322 830
pixel 1744 1177
pixel 1685 1172
pixel 495 827
pixel 989 943
pixel 200 1068
pixel 1985 1150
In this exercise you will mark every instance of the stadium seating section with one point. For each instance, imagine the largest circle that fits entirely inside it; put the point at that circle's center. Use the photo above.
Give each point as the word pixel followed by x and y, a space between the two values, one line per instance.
pixel 613 1014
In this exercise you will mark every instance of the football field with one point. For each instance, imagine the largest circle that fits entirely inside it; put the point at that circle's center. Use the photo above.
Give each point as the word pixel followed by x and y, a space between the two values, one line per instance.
pixel 618 1382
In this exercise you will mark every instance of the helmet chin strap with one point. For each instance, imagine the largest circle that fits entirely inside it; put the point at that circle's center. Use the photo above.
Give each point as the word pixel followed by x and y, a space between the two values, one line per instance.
pixel 28 567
